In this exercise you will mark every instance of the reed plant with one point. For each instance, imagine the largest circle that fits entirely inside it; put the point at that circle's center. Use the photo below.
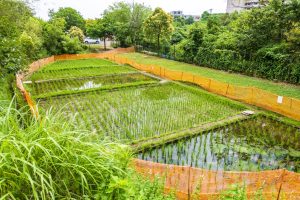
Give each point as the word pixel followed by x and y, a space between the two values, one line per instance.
pixel 48 158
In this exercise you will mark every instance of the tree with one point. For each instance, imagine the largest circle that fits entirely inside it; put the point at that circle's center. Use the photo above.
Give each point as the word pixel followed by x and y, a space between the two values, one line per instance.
pixel 126 21
pixel 118 18
pixel 71 16
pixel 190 46
pixel 205 15
pixel 53 34
pixel 76 32
pixel 138 16
pixel 158 26
pixel 31 40
pixel 56 41
pixel 190 20
pixel 99 28
pixel 293 36
pixel 179 21
pixel 13 16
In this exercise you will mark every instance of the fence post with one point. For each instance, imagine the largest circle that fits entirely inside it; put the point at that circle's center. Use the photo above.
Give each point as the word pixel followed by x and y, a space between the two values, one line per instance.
pixel 252 95
pixel 181 76
pixel 227 89
pixel 189 184
pixel 281 182
pixel 160 71
pixel 209 83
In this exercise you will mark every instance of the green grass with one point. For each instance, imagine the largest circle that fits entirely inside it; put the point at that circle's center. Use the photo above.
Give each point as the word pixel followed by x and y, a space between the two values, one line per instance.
pixel 74 64
pixel 49 159
pixel 71 85
pixel 137 113
pixel 236 79
pixel 80 72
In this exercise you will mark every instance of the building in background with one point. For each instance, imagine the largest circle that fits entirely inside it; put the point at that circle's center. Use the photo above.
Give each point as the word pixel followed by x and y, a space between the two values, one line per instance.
pixel 179 13
pixel 239 5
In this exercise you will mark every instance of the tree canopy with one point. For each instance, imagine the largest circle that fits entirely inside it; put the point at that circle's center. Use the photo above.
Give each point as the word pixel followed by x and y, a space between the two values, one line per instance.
pixel 71 16
pixel 158 26
pixel 126 21
pixel 261 42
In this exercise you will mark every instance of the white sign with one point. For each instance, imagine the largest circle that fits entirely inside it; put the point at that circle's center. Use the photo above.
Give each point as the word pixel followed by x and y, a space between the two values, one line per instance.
pixel 280 99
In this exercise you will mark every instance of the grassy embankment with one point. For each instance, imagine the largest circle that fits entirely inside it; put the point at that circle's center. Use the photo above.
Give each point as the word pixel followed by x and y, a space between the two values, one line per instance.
pixel 283 89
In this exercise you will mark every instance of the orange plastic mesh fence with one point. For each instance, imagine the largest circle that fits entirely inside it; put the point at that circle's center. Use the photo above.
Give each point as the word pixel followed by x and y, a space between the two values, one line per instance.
pixel 283 105
pixel 196 183
pixel 27 97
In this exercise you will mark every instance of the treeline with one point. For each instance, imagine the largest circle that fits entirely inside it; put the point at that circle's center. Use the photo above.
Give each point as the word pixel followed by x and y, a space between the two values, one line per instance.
pixel 261 42
pixel 25 38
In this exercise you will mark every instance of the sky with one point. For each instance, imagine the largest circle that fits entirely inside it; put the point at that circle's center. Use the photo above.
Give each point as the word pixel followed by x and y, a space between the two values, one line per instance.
pixel 94 8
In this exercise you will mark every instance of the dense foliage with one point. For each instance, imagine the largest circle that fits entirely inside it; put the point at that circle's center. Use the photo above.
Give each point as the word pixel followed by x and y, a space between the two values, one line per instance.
pixel 261 42
pixel 71 16
pixel 25 38
pixel 158 27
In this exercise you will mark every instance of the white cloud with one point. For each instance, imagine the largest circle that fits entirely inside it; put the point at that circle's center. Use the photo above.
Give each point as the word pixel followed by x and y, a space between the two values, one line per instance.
pixel 94 8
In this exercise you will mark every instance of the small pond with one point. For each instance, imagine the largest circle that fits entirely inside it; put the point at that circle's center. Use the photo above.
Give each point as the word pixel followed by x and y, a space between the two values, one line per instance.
pixel 255 144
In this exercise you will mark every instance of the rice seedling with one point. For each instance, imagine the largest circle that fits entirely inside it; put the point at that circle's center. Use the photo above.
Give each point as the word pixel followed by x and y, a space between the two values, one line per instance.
pixel 136 113
pixel 234 148
pixel 56 87
pixel 80 72
pixel 75 64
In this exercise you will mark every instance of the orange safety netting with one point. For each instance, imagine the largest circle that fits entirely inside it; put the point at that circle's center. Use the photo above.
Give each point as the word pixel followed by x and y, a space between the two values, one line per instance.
pixel 284 105
pixel 196 183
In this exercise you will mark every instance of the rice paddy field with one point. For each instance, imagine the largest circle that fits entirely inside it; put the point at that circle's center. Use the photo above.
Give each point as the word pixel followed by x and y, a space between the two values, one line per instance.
pixel 143 112
pixel 121 104
pixel 51 88
pixel 252 145
pixel 75 64
pixel 78 68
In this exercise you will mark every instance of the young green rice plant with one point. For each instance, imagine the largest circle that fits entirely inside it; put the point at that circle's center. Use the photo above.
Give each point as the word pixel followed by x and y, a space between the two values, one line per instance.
pixel 143 112
pixel 79 72
pixel 226 149
pixel 75 64
pixel 58 87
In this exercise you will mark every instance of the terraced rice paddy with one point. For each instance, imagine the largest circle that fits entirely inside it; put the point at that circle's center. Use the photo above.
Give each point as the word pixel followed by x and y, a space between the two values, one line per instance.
pixel 252 145
pixel 77 64
pixel 121 104
pixel 56 87
pixel 80 72
pixel 78 69
pixel 142 112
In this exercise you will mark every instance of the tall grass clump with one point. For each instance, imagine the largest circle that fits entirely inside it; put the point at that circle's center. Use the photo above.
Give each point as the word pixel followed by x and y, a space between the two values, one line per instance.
pixel 49 159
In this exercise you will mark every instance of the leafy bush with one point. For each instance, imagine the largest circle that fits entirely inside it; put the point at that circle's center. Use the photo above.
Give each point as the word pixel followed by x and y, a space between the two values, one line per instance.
pixel 71 45
pixel 76 32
